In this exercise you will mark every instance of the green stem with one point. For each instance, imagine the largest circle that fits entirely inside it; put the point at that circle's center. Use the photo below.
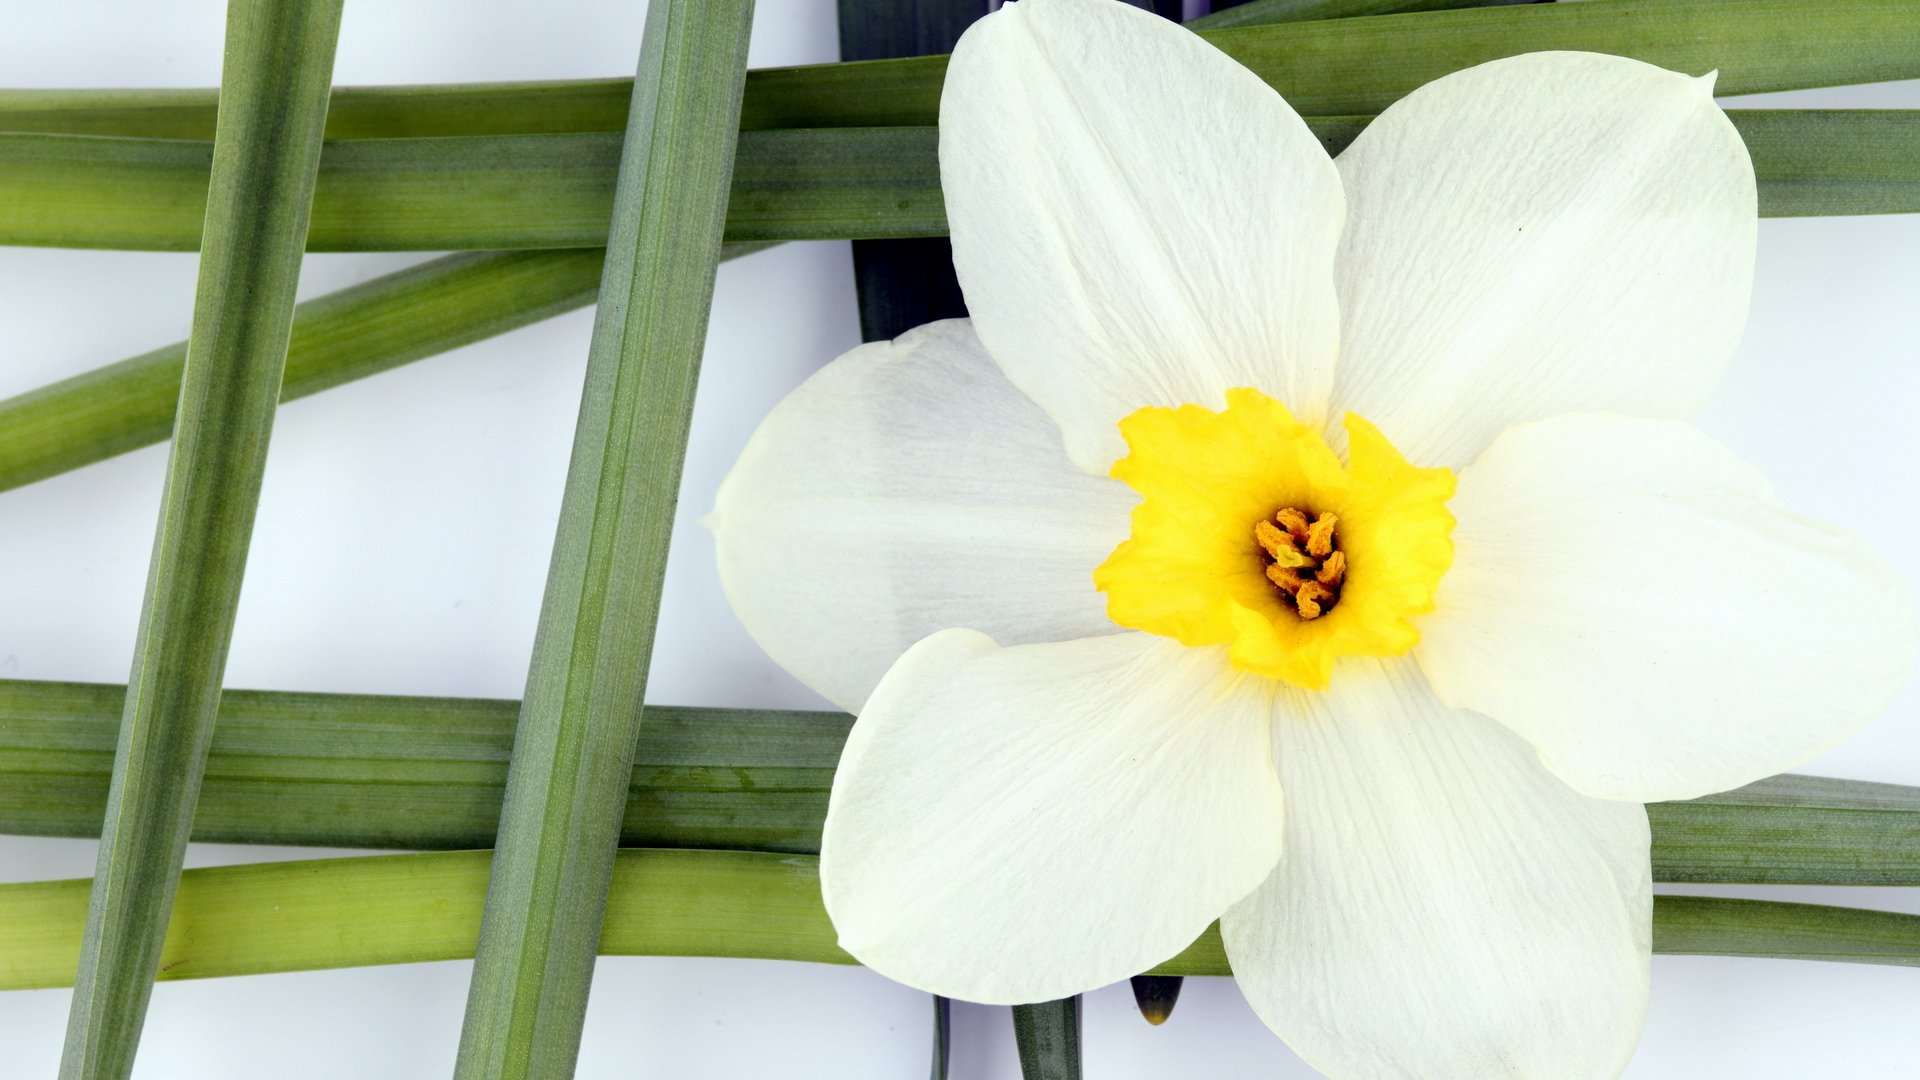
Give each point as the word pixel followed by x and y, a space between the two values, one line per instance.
pixel 398 909
pixel 347 335
pixel 266 151
pixel 574 745
pixel 356 112
pixel 483 192
pixel 548 191
pixel 369 328
pixel 408 772
pixel 1347 66
pixel 1262 12
pixel 942 1038
pixel 903 282
pixel 1325 68
pixel 1047 1035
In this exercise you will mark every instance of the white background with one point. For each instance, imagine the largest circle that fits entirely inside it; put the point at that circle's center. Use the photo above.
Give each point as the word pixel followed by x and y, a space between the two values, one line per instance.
pixel 403 538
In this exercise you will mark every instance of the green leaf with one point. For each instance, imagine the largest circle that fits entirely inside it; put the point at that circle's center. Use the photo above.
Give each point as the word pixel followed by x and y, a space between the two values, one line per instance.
pixel 1329 68
pixel 347 335
pixel 369 771
pixel 357 112
pixel 942 1037
pixel 544 191
pixel 1048 1036
pixel 1262 12
pixel 1841 161
pixel 1714 926
pixel 903 282
pixel 574 746
pixel 1344 66
pixel 412 772
pixel 266 150
pixel 1812 830
pixel 395 909
pixel 483 192
pixel 369 328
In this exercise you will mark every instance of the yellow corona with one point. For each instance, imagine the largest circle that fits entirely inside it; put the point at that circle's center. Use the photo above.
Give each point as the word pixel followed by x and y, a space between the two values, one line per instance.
pixel 1252 533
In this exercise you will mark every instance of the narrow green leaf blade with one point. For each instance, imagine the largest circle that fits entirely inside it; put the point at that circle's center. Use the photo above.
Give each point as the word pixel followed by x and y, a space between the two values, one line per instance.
pixel 351 334
pixel 900 282
pixel 1048 1037
pixel 547 191
pixel 356 112
pixel 412 772
pixel 391 772
pixel 1714 926
pixel 266 151
pixel 386 112
pixel 1813 830
pixel 1264 12
pixel 359 331
pixel 398 909
pixel 1836 161
pixel 942 1037
pixel 1326 67
pixel 1718 926
pixel 574 748
pixel 1345 66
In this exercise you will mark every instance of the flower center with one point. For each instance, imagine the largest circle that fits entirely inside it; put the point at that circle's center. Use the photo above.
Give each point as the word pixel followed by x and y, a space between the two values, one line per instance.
pixel 1304 559
pixel 1354 552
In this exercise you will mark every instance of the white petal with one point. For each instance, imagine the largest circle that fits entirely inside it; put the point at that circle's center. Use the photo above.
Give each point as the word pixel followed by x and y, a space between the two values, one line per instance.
pixel 1550 233
pixel 905 488
pixel 1021 824
pixel 1137 219
pixel 1627 596
pixel 1445 908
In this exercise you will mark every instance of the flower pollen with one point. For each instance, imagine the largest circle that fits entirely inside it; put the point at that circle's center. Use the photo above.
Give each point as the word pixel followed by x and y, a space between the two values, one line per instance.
pixel 1308 566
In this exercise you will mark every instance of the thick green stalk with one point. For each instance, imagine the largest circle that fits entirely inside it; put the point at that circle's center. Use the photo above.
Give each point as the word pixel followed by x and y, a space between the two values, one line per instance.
pixel 399 909
pixel 266 151
pixel 1346 66
pixel 1813 830
pixel 574 746
pixel 1840 161
pixel 903 282
pixel 1263 12
pixel 393 772
pixel 1327 67
pixel 357 112
pixel 1047 1035
pixel 942 1038
pixel 483 192
pixel 1713 926
pixel 410 772
pixel 347 335
pixel 369 328
pixel 545 191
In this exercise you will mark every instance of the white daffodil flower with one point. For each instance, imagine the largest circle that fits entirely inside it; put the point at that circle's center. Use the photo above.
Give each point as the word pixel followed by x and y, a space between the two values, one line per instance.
pixel 1145 626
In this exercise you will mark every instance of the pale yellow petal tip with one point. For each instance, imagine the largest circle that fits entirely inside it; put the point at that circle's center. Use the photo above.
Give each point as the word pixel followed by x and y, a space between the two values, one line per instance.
pixel 1707 81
